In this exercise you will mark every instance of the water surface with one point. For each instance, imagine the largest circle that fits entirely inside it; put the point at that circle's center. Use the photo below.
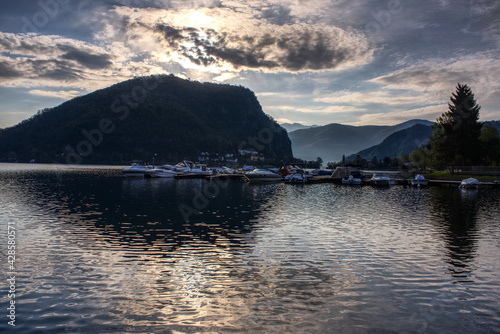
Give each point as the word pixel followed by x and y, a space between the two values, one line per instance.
pixel 98 252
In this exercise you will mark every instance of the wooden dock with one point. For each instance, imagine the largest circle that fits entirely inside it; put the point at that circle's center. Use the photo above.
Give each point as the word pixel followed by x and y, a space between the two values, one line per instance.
pixel 405 182
pixel 328 179
pixel 209 176
pixel 457 183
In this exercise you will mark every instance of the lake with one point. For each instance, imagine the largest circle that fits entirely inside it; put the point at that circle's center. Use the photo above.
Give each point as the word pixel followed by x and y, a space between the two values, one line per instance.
pixel 96 252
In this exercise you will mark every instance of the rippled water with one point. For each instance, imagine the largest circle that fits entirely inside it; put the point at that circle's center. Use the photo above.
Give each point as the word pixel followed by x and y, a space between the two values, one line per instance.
pixel 97 252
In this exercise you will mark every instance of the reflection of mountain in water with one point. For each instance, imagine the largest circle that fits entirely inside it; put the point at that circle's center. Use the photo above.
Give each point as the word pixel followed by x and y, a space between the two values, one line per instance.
pixel 457 212
pixel 145 212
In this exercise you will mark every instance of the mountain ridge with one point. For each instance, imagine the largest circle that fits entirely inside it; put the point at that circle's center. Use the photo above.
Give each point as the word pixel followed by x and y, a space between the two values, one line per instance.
pixel 397 144
pixel 332 141
pixel 163 116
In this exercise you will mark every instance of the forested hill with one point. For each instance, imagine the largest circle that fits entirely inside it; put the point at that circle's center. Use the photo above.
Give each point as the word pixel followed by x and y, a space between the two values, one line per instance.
pixel 136 119
pixel 397 144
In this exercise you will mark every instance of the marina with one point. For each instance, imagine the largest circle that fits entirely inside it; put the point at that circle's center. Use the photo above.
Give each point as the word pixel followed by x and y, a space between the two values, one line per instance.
pixel 401 179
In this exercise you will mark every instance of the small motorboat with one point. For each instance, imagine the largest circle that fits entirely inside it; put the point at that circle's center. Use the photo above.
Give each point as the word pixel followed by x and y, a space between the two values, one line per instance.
pixel 160 172
pixel 189 167
pixel 470 183
pixel 136 170
pixel 223 170
pixel 246 168
pixel 382 180
pixel 322 172
pixel 263 175
pixel 300 176
pixel 419 181
pixel 356 178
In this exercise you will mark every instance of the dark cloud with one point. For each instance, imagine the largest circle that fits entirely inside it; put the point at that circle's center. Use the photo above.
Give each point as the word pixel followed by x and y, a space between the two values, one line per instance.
pixel 172 36
pixel 6 70
pixel 54 69
pixel 299 50
pixel 278 15
pixel 48 57
pixel 28 68
pixel 86 59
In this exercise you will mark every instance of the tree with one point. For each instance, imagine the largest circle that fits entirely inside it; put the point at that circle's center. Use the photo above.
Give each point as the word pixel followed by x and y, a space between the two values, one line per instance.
pixel 455 138
pixel 421 158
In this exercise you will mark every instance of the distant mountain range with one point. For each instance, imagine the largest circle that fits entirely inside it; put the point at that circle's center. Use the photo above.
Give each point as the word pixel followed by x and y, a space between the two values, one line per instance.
pixel 296 126
pixel 163 116
pixel 332 141
pixel 495 124
pixel 397 144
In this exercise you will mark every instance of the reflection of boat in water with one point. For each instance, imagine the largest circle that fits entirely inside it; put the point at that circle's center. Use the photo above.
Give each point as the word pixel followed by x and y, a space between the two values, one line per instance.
pixel 355 178
pixel 470 183
pixel 136 170
pixel 160 172
pixel 382 180
pixel 419 181
pixel 263 175
pixel 300 176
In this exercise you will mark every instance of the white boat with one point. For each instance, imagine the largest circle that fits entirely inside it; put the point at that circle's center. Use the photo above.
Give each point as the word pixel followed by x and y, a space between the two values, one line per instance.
pixel 470 183
pixel 160 172
pixel 419 181
pixel 136 170
pixel 382 180
pixel 355 178
pixel 263 175
pixel 224 170
pixel 300 176
pixel 247 168
pixel 190 167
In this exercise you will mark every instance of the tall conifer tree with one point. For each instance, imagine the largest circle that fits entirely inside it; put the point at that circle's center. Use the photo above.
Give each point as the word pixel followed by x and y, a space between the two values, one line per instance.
pixel 455 140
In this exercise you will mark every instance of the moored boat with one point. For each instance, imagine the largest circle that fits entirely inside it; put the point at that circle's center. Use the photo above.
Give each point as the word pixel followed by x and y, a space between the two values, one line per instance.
pixel 300 176
pixel 263 175
pixel 419 181
pixel 322 172
pixel 136 170
pixel 189 167
pixel 356 178
pixel 470 183
pixel 160 172
pixel 381 179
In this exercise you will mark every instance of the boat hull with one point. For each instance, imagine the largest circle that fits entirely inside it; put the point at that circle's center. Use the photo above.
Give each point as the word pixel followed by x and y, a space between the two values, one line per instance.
pixel 155 174
pixel 419 183
pixel 351 182
pixel 470 183
pixel 294 178
pixel 263 178
pixel 383 183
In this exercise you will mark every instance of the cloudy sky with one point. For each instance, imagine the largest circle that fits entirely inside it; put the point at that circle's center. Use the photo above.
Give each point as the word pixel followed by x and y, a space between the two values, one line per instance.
pixel 308 61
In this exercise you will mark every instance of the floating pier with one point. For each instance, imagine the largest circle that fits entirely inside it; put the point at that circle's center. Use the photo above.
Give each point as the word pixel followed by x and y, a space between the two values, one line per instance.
pixel 329 179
